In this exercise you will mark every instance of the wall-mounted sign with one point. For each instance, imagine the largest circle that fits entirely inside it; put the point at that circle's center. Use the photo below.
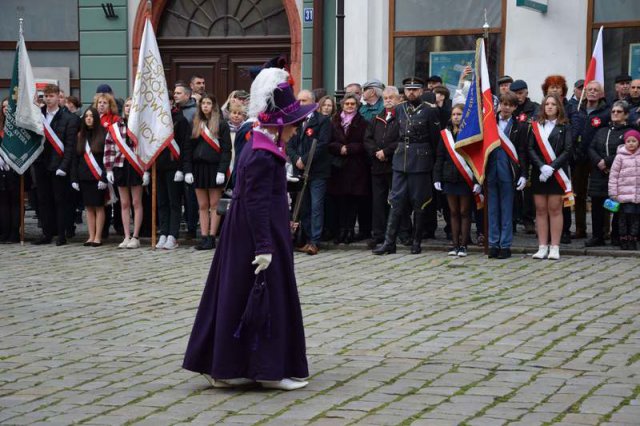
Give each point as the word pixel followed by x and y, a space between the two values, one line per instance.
pixel 308 14
pixel 634 60
pixel 537 5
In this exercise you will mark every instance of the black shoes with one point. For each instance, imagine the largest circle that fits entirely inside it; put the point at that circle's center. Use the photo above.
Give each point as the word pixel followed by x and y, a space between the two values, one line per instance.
pixel 565 238
pixel 374 242
pixel 61 242
pixel 207 242
pixel 416 248
pixel 384 248
pixel 505 253
pixel 594 242
pixel 42 240
pixel 493 252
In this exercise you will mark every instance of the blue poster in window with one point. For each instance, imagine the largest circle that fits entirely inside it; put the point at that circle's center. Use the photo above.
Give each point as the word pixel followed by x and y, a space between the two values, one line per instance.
pixel 634 60
pixel 449 66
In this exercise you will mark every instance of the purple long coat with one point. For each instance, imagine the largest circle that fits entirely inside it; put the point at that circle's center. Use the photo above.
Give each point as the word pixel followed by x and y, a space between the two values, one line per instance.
pixel 256 223
pixel 354 177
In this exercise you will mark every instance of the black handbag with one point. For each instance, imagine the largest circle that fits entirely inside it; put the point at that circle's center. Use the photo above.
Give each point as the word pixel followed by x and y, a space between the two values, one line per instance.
pixel 223 206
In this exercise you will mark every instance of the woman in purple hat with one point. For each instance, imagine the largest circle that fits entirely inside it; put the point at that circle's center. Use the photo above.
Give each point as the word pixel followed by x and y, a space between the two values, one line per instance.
pixel 248 328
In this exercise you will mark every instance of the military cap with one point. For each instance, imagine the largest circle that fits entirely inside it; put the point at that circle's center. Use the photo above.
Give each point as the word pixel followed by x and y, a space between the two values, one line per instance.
pixel 413 83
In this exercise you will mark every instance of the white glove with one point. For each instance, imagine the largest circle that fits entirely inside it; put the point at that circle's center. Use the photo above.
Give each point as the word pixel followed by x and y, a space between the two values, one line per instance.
pixel 188 178
pixel 263 261
pixel 477 189
pixel 60 172
pixel 145 179
pixel 101 185
pixel 3 166
pixel 437 186
pixel 522 182
pixel 178 177
pixel 75 186
pixel 219 178
pixel 110 177
pixel 543 177
pixel 547 171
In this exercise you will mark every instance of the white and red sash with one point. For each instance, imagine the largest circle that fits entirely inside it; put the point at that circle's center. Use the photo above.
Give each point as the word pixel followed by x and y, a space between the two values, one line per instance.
pixel 174 149
pixel 213 142
pixel 461 165
pixel 53 139
pixel 508 146
pixel 91 161
pixel 132 158
pixel 210 139
pixel 549 155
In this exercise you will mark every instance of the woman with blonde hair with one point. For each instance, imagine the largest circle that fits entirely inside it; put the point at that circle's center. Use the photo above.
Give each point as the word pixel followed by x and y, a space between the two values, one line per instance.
pixel 107 108
pixel 206 162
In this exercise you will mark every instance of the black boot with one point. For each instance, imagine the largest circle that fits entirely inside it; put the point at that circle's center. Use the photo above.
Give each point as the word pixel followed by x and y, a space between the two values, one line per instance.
pixel 418 219
pixel 206 243
pixel 389 245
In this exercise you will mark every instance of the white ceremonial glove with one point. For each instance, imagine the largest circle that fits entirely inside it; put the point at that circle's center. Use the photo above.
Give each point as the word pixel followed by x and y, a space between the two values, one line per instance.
pixel 543 177
pixel 437 186
pixel 178 177
pixel 188 178
pixel 263 261
pixel 60 172
pixel 110 177
pixel 219 178
pixel 145 179
pixel 522 182
pixel 3 165
pixel 477 189
pixel 75 186
pixel 102 185
pixel 547 171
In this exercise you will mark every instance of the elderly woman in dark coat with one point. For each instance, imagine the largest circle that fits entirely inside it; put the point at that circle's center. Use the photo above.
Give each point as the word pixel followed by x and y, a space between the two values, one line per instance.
pixel 602 151
pixel 350 174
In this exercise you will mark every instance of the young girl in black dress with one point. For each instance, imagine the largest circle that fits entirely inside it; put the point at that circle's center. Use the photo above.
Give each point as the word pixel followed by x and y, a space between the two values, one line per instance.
pixel 207 160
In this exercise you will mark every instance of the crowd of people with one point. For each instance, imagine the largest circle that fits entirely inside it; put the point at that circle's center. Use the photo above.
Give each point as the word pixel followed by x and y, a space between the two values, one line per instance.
pixel 378 166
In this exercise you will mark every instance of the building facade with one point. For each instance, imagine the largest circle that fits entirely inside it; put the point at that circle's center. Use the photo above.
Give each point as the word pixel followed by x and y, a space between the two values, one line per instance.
pixel 83 43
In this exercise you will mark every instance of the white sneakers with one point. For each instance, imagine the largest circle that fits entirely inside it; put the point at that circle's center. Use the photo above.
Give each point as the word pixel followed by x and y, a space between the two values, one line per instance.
pixel 161 242
pixel 547 252
pixel 124 243
pixel 133 243
pixel 288 384
pixel 554 253
pixel 171 243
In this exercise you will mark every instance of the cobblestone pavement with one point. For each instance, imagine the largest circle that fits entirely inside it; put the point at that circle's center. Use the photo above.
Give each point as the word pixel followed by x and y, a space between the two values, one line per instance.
pixel 399 339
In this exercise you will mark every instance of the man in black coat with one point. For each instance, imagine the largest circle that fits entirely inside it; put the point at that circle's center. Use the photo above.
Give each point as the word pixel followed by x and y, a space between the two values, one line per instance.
pixel 315 126
pixel 380 142
pixel 53 166
pixel 412 165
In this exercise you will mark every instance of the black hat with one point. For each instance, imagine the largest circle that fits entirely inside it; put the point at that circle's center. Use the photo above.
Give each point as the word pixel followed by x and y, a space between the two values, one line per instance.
pixel 518 85
pixel 505 79
pixel 413 83
pixel 579 83
pixel 623 78
pixel 435 78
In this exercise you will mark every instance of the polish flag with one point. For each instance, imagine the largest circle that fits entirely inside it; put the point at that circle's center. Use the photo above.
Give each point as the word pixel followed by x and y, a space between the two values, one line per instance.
pixel 596 66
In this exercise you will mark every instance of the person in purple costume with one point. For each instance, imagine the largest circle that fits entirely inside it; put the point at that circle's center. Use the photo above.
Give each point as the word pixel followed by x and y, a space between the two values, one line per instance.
pixel 248 327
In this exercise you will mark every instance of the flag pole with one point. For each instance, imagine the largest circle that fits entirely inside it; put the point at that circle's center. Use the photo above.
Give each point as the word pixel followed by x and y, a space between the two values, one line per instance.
pixel 154 205
pixel 22 209
pixel 485 186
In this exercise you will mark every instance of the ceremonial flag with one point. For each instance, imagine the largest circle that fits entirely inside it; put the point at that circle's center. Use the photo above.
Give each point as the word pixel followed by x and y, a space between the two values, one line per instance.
pixel 22 141
pixel 596 65
pixel 478 130
pixel 150 125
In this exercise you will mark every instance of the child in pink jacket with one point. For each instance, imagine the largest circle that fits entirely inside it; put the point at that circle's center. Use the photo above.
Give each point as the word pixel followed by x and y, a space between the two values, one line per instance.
pixel 624 187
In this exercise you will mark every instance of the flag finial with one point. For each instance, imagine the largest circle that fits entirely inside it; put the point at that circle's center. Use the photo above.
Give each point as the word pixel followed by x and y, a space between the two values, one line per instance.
pixel 149 10
pixel 20 21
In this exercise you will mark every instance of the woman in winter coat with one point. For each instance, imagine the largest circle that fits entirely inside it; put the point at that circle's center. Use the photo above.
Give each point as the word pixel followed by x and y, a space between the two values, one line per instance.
pixel 447 178
pixel 602 150
pixel 624 187
pixel 552 126
pixel 350 174
pixel 207 160
pixel 88 173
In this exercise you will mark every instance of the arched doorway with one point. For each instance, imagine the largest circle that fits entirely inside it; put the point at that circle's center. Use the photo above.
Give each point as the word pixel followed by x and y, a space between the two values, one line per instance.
pixel 220 39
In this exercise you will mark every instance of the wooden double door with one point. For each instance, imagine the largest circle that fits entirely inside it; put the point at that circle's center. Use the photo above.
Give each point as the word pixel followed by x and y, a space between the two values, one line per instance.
pixel 224 62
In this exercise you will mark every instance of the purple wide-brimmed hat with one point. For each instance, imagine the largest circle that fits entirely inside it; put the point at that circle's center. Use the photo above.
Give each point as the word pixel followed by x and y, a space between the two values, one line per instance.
pixel 273 102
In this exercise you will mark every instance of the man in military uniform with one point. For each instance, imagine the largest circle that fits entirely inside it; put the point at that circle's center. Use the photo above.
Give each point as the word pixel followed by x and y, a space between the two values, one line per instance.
pixel 412 164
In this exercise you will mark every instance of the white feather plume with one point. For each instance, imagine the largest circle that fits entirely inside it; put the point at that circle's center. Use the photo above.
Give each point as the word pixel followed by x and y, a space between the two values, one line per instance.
pixel 262 89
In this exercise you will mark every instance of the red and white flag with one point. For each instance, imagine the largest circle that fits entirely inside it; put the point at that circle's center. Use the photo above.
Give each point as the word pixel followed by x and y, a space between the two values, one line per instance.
pixel 150 124
pixel 596 65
